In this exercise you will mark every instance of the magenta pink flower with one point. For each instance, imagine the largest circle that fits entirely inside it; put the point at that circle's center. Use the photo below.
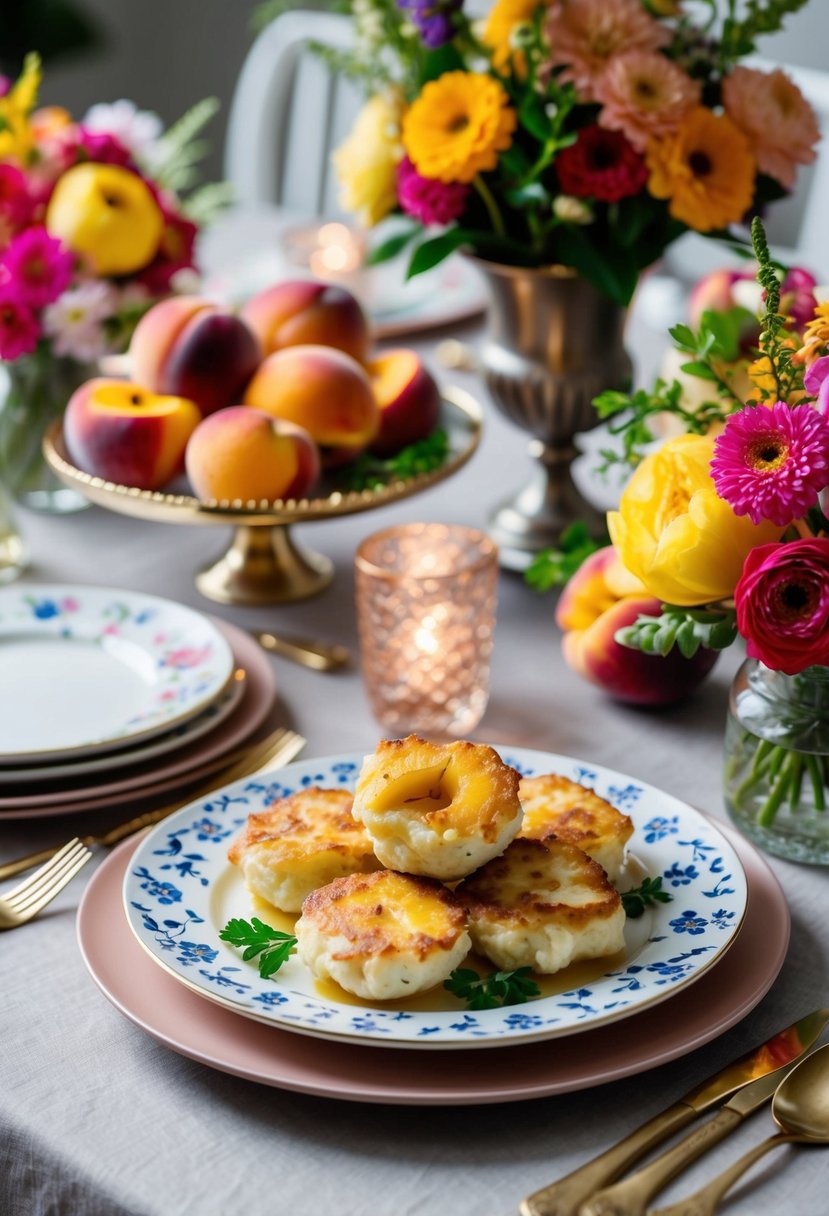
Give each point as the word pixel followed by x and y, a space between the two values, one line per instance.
pixel 816 382
pixel 15 204
pixel 102 147
pixel 797 296
pixel 782 602
pixel 36 267
pixel 426 199
pixel 19 330
pixel 772 462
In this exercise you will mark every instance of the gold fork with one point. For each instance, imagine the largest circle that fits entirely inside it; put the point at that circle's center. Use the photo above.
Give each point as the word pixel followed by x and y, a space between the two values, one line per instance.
pixel 271 753
pixel 33 894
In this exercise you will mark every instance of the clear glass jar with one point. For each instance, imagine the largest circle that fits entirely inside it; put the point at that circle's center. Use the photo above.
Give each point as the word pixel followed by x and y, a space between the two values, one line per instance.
pixel 776 775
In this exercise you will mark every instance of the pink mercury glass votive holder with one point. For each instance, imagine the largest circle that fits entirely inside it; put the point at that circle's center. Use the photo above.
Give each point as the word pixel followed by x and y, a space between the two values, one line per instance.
pixel 426 597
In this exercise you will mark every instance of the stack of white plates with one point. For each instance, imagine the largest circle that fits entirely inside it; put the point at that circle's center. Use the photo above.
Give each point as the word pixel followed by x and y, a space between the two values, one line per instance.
pixel 108 696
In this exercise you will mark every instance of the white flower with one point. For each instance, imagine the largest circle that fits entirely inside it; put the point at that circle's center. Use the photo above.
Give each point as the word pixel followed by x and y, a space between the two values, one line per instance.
pixel 571 210
pixel 186 282
pixel 75 320
pixel 138 130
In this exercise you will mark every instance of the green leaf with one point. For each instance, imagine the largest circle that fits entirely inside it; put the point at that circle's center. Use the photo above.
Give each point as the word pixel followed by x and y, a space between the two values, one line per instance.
pixel 533 116
pixel 644 896
pixel 684 338
pixel 553 567
pixel 493 991
pixel 615 273
pixel 701 370
pixel 370 472
pixel 433 251
pixel 271 944
pixel 392 246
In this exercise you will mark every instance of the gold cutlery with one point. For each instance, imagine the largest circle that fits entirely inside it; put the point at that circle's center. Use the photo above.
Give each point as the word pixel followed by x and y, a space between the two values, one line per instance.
pixel 28 898
pixel 566 1196
pixel 271 753
pixel 801 1110
pixel 308 652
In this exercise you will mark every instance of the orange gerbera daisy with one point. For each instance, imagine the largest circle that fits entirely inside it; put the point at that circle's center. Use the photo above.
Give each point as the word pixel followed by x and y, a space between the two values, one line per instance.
pixel 457 126
pixel 816 335
pixel 504 17
pixel 706 170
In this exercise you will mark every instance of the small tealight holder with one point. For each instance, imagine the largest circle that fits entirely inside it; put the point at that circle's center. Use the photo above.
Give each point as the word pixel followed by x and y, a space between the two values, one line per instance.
pixel 426 596
pixel 330 251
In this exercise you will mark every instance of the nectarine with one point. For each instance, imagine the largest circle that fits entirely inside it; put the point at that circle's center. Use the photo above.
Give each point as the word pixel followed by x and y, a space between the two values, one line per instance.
pixel 302 312
pixel 190 347
pixel 322 390
pixel 408 398
pixel 243 453
pixel 123 433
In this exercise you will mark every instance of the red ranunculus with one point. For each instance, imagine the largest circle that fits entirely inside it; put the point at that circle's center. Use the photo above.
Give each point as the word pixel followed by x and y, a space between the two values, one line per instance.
pixel 782 602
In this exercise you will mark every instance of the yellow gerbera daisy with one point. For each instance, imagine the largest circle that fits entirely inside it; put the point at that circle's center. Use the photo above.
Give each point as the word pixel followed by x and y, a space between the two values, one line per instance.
pixel 503 18
pixel 816 335
pixel 706 170
pixel 457 126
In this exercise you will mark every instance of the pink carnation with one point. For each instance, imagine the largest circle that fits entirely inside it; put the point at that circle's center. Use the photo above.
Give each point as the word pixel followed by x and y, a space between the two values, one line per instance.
pixel 36 267
pixel 778 120
pixel 644 95
pixel 19 330
pixel 585 35
pixel 102 147
pixel 782 603
pixel 428 200
pixel 772 462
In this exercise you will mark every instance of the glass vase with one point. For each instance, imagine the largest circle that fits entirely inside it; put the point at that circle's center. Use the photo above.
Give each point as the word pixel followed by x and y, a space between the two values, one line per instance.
pixel 13 555
pixel 34 390
pixel 776 776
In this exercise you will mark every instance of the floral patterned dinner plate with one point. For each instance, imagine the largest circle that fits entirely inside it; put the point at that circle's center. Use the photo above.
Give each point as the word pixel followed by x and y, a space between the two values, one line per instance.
pixel 88 669
pixel 180 890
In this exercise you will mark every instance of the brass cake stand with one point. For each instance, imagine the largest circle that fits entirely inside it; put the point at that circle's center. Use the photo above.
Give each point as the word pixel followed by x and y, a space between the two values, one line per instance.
pixel 263 565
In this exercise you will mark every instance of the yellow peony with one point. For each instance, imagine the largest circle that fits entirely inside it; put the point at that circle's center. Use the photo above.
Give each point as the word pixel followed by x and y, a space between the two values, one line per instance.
pixel 366 162
pixel 675 533
pixel 457 126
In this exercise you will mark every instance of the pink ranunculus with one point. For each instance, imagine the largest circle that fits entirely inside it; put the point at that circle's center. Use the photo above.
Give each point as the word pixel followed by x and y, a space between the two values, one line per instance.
pixel 782 602
pixel 37 267
pixel 19 330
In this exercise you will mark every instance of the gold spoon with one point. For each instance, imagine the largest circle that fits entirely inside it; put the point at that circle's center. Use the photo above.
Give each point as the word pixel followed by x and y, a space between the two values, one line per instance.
pixel 800 1108
pixel 306 651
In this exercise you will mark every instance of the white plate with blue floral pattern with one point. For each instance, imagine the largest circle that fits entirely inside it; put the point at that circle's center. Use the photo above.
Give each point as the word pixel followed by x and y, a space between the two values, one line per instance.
pixel 180 890
pixel 90 669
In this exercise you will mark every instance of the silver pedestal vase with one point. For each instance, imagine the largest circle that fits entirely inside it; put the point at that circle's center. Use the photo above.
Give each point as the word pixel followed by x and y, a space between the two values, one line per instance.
pixel 554 343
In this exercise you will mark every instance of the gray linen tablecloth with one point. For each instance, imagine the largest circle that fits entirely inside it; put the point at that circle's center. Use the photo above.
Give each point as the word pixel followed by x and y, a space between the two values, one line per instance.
pixel 97 1119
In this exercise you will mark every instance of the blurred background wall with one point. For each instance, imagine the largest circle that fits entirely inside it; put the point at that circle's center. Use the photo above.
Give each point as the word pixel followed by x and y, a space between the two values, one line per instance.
pixel 166 54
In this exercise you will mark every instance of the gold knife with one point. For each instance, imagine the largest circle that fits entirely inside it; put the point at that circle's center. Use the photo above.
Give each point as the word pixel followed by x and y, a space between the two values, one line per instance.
pixel 761 1067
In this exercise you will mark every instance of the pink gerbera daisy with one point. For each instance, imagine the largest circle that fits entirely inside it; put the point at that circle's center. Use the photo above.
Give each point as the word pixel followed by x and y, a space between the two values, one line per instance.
pixel 19 330
pixel 771 110
pixel 644 95
pixel 37 267
pixel 585 36
pixel 771 462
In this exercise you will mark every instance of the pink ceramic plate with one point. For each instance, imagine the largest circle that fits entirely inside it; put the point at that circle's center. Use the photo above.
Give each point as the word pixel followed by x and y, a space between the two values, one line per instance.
pixel 203 1031
pixel 199 759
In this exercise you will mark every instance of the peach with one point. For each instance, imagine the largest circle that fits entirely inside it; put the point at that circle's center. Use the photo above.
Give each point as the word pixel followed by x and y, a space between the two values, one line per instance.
pixel 303 312
pixel 408 398
pixel 322 390
pixel 191 348
pixel 630 675
pixel 599 582
pixel 243 453
pixel 124 433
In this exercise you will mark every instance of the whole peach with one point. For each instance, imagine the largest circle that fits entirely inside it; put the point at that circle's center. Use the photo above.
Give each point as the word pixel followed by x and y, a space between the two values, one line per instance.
pixel 192 348
pixel 408 398
pixel 630 675
pixel 302 312
pixel 322 390
pixel 126 434
pixel 243 453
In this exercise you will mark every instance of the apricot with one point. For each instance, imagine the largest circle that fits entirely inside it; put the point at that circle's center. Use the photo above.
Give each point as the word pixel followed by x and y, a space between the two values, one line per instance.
pixel 322 390
pixel 192 348
pixel 243 453
pixel 127 434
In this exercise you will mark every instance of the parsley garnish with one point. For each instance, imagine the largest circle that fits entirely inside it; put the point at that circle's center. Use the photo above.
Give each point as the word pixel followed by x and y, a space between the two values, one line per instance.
pixel 371 473
pixel 502 988
pixel 553 567
pixel 259 938
pixel 638 898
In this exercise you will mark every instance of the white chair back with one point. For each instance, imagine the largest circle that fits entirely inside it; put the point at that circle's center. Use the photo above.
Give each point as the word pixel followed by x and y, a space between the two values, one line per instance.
pixel 287 114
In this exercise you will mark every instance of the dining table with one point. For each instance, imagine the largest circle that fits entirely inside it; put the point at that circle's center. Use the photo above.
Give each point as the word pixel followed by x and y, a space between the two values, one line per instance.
pixel 98 1118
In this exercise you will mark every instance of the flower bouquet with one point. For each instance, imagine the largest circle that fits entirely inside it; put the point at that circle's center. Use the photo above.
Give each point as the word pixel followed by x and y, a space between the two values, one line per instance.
pixel 580 133
pixel 92 232
pixel 725 525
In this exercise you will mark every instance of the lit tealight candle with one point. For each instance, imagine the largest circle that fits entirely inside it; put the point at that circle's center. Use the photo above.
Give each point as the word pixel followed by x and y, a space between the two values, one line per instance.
pixel 329 251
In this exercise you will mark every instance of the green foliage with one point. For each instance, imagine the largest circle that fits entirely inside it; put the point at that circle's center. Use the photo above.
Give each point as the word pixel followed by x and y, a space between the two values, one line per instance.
pixel 739 35
pixel 553 567
pixel 259 939
pixel 181 147
pixel 371 473
pixel 493 991
pixel 648 893
pixel 393 245
pixel 687 628
pixel 207 202
pixel 773 336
